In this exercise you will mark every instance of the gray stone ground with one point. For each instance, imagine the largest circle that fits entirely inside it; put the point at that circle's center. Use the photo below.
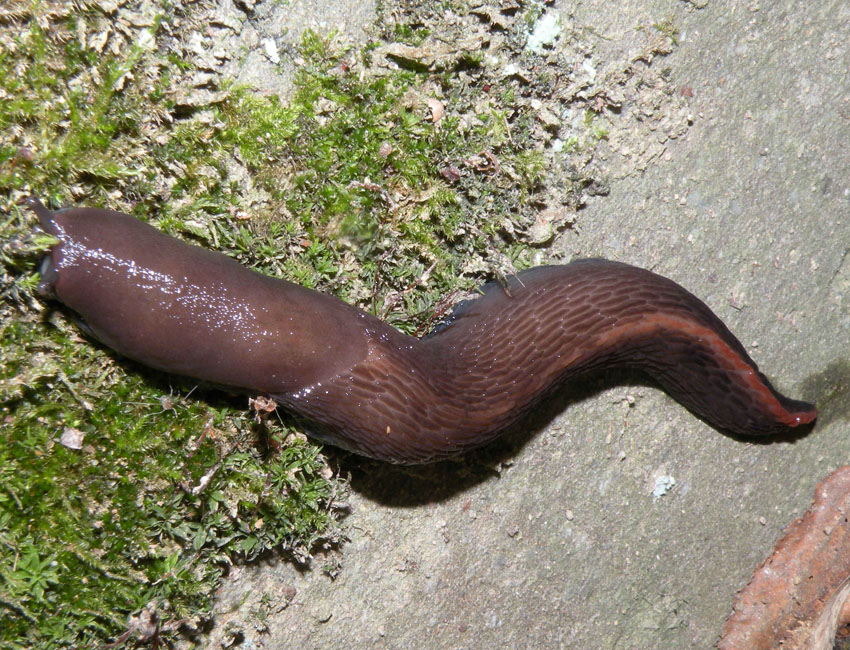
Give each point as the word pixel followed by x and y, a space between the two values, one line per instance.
pixel 565 546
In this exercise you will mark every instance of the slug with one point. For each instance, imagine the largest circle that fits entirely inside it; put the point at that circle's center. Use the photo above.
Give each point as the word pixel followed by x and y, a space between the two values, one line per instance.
pixel 370 389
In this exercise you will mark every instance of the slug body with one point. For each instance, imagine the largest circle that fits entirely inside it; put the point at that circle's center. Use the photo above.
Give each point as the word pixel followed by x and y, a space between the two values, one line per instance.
pixel 369 388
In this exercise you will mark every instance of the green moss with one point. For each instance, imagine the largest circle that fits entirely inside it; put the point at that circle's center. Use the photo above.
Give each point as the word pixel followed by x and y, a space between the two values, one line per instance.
pixel 333 164
pixel 410 34
pixel 74 126
pixel 130 519
pixel 351 188
pixel 162 495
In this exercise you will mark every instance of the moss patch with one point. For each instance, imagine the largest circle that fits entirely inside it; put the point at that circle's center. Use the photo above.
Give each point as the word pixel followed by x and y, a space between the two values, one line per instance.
pixel 394 177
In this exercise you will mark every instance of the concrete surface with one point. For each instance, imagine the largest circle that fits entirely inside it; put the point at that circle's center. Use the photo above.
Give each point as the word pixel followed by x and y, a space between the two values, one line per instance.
pixel 554 539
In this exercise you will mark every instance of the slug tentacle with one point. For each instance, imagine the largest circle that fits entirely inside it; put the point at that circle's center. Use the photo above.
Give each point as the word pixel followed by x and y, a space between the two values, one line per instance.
pixel 45 216
pixel 375 391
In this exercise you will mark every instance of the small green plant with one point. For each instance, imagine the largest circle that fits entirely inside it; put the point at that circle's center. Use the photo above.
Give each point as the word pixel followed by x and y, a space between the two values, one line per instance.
pixel 410 34
pixel 596 128
pixel 668 28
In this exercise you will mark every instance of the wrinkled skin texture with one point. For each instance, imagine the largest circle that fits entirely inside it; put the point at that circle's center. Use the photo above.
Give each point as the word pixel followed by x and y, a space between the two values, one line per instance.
pixel 369 388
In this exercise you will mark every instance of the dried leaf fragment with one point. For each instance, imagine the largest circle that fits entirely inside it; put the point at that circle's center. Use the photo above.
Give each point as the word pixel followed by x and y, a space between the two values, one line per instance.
pixel 72 438
pixel 796 597
pixel 437 108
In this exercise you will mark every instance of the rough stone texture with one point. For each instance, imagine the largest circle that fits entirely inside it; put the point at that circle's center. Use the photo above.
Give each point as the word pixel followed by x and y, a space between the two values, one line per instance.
pixel 560 542
pixel 270 36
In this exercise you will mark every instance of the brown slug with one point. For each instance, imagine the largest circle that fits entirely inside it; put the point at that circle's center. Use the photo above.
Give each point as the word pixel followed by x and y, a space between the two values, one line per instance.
pixel 375 391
